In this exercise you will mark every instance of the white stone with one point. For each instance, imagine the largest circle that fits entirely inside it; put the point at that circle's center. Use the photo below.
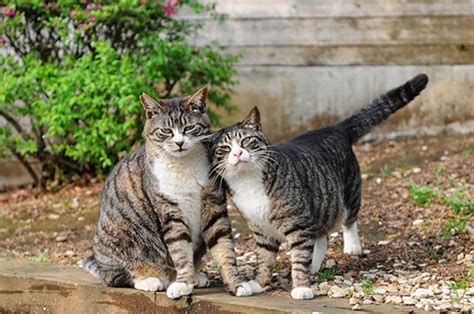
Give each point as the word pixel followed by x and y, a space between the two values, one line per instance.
pixel 416 170
pixel 357 307
pixel 337 292
pixel 409 301
pixel 394 299
pixel 417 222
pixel 380 290
pixel 384 242
pixel 353 301
pixel 460 256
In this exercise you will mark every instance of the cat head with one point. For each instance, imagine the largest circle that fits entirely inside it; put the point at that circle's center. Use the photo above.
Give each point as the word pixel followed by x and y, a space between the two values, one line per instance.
pixel 240 147
pixel 176 126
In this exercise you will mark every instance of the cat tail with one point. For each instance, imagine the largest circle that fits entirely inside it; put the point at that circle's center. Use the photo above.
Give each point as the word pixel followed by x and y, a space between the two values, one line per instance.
pixel 382 107
pixel 112 277
pixel 91 266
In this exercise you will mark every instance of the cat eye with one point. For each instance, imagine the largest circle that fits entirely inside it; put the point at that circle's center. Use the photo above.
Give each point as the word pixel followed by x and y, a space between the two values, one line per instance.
pixel 250 141
pixel 192 129
pixel 166 131
pixel 223 150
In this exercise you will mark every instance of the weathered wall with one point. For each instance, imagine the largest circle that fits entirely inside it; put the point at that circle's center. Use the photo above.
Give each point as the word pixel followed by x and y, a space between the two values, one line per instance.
pixel 310 62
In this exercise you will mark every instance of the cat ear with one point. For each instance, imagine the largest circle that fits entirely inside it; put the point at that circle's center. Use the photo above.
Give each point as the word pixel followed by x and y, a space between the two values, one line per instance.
pixel 151 105
pixel 197 102
pixel 252 120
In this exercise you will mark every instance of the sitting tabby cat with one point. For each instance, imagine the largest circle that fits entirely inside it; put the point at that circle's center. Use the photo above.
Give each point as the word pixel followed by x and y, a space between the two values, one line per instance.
pixel 158 211
pixel 300 190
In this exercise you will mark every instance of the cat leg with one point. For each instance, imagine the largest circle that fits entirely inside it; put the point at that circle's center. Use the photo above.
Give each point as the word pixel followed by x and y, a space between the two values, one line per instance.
pixel 301 247
pixel 267 250
pixel 148 277
pixel 351 239
pixel 320 248
pixel 200 279
pixel 217 234
pixel 177 236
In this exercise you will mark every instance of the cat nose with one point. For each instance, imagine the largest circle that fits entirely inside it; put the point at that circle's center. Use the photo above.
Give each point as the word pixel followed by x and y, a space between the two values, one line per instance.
pixel 238 153
pixel 179 143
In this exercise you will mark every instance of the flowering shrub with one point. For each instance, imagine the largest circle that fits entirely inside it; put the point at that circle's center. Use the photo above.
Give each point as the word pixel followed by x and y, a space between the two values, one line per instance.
pixel 70 83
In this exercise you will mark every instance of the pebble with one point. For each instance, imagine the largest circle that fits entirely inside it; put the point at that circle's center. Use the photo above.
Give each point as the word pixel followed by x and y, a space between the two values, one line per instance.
pixel 61 238
pixel 394 299
pixel 53 216
pixel 460 256
pixel 380 290
pixel 417 222
pixel 80 218
pixel 353 301
pixel 424 148
pixel 397 174
pixel 357 307
pixel 330 263
pixel 378 181
pixel 409 301
pixel 366 251
pixel 337 292
pixel 416 170
pixel 384 242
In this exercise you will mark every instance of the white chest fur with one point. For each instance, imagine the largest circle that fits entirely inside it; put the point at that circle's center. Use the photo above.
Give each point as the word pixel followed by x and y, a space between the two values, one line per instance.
pixel 182 180
pixel 253 202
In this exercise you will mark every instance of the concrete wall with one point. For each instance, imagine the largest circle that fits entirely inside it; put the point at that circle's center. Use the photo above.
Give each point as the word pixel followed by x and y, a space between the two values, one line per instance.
pixel 309 63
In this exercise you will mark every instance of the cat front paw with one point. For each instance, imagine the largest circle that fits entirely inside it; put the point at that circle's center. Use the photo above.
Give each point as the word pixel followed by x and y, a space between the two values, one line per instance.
pixel 179 289
pixel 149 284
pixel 201 280
pixel 302 293
pixel 244 290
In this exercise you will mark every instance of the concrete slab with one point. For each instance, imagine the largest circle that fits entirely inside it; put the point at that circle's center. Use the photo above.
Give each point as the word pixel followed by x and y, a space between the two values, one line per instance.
pixel 49 288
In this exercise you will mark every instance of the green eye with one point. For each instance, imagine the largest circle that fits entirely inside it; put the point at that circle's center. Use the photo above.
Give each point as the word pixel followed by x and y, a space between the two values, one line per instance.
pixel 166 131
pixel 193 129
pixel 249 141
pixel 223 150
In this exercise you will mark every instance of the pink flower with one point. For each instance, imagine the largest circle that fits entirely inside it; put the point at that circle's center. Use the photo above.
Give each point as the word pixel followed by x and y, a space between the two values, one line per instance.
pixel 93 6
pixel 91 18
pixel 46 5
pixel 8 11
pixel 3 41
pixel 169 7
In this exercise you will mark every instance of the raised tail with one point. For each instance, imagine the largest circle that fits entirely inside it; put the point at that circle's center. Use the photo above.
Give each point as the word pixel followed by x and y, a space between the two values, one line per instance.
pixel 382 107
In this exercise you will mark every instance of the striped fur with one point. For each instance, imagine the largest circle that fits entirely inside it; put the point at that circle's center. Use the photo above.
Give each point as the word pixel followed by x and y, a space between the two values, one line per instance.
pixel 158 211
pixel 302 189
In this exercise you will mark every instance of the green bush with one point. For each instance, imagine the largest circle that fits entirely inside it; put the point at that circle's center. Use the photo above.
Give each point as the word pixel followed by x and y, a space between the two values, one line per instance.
pixel 70 83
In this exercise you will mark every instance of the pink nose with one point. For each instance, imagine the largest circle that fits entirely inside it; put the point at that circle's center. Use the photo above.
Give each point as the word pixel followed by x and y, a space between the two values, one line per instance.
pixel 238 153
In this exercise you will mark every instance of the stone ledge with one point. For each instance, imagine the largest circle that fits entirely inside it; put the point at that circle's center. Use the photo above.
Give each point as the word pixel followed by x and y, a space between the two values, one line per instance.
pixel 49 288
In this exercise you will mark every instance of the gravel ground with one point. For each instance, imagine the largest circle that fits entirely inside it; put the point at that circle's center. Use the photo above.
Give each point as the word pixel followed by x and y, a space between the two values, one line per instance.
pixel 416 225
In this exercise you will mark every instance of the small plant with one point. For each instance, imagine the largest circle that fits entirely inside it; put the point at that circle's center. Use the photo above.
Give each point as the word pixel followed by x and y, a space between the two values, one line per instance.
pixel 40 258
pixel 459 288
pixel 422 194
pixel 326 274
pixel 453 226
pixel 385 170
pixel 367 286
pixel 73 71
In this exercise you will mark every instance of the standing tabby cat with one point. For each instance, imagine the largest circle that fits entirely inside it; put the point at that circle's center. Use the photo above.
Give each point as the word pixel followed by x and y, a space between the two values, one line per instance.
pixel 301 189
pixel 158 211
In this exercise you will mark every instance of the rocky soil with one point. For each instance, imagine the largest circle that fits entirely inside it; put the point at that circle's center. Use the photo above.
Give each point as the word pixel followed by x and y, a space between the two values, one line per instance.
pixel 416 225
